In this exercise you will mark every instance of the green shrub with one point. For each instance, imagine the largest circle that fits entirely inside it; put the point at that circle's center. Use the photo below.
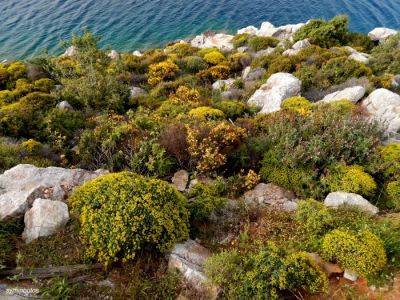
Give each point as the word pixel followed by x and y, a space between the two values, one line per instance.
pixel 193 64
pixel 123 213
pixel 206 113
pixel 363 253
pixel 214 57
pixel 338 70
pixel 325 34
pixel 181 49
pixel 262 42
pixel 393 191
pixel 297 103
pixel 351 179
pixel 203 201
pixel 240 40
pixel 231 109
pixel 109 144
pixel 385 58
pixel 150 159
pixel 314 216
pixel 343 106
pixel 265 274
pixel 44 85
pixel 389 160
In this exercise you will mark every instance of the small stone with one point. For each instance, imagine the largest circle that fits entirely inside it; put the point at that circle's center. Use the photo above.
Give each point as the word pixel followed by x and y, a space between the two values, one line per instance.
pixel 350 275
pixel 137 92
pixel 64 105
pixel 354 94
pixel 114 55
pixel 328 268
pixel 180 180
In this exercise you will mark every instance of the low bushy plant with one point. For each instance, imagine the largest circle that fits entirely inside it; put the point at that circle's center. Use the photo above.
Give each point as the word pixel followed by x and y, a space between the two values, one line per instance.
pixel 393 191
pixel 123 213
pixel 262 42
pixel 215 57
pixel 206 113
pixel 162 71
pixel 363 253
pixel 351 179
pixel 297 103
pixel 314 216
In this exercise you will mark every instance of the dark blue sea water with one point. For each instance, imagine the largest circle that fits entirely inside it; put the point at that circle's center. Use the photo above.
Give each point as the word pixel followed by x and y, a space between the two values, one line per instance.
pixel 28 27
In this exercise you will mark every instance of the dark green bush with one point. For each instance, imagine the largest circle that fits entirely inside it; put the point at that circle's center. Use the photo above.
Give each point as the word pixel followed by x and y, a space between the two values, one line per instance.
pixel 325 34
pixel 262 42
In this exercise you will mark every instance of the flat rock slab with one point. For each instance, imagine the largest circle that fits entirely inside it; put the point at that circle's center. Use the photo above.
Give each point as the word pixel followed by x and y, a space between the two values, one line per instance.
pixel 337 199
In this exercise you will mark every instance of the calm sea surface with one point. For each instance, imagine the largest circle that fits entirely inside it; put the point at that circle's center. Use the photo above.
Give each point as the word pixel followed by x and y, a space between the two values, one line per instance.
pixel 29 27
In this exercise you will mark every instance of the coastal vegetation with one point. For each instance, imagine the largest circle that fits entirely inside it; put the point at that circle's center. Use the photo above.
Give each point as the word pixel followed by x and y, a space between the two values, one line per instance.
pixel 143 117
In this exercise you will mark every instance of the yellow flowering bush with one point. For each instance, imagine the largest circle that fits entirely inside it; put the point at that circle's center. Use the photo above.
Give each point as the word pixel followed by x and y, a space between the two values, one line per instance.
pixel 122 213
pixel 215 73
pixel 250 180
pixel 297 103
pixel 161 71
pixel 32 147
pixel 215 57
pixel 204 113
pixel 209 146
pixel 363 253
pixel 185 95
pixel 351 179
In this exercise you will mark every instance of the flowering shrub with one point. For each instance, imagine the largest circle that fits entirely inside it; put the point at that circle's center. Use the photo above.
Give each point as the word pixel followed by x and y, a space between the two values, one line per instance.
pixel 363 253
pixel 209 146
pixel 215 57
pixel 123 213
pixel 297 103
pixel 215 73
pixel 185 95
pixel 162 71
pixel 314 216
pixel 205 113
pixel 393 191
pixel 351 179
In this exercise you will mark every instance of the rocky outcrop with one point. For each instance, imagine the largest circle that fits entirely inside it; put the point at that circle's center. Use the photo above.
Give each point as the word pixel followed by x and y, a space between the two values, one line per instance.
pixel 114 55
pixel 337 199
pixel 137 92
pixel 189 259
pixel 264 52
pixel 251 30
pixel 281 32
pixel 180 180
pixel 384 106
pixel 213 40
pixel 21 185
pixel 223 84
pixel 45 218
pixel 381 34
pixel 137 53
pixel 354 94
pixel 70 51
pixel 250 74
pixel 278 87
pixel 270 194
pixel 357 56
pixel 64 105
pixel 297 47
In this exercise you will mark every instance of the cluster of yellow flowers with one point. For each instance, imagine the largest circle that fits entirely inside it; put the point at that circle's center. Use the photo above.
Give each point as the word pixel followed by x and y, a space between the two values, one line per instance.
pixel 210 151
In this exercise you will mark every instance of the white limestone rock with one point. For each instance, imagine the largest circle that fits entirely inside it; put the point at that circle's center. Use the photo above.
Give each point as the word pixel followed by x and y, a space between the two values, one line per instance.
pixel 278 87
pixel 137 92
pixel 21 185
pixel 64 105
pixel 248 30
pixel 180 180
pixel 381 34
pixel 354 94
pixel 189 258
pixel 337 199
pixel 210 40
pixel 114 55
pixel 46 217
pixel 384 106
pixel 223 84
pixel 70 51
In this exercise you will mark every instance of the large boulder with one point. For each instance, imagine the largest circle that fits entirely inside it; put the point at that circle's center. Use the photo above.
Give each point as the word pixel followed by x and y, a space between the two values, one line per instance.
pixel 189 259
pixel 337 199
pixel 381 34
pixel 270 194
pixel 213 40
pixel 384 106
pixel 278 87
pixel 45 218
pixel 354 94
pixel 21 185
